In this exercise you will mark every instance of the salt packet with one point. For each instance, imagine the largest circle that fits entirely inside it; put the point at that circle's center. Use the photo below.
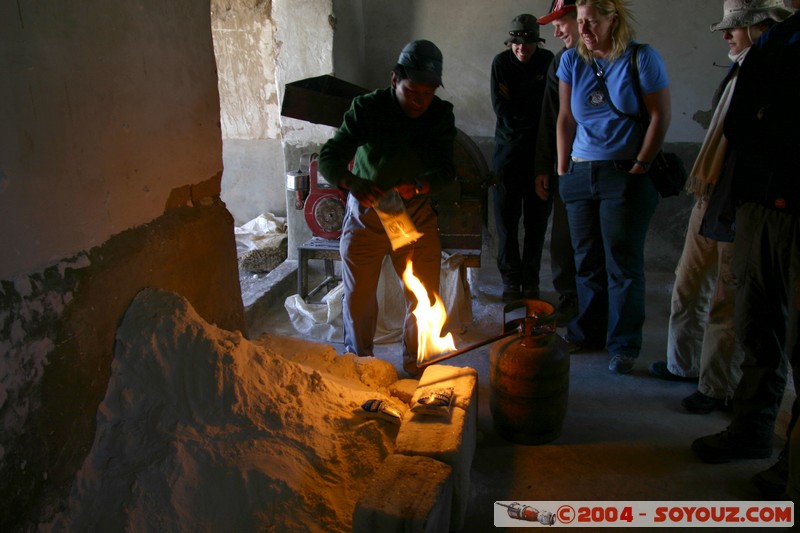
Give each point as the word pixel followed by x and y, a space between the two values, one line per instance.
pixel 434 401
pixel 383 409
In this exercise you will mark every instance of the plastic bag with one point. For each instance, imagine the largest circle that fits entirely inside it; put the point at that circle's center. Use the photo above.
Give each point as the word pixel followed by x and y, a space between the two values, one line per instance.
pixel 383 409
pixel 434 401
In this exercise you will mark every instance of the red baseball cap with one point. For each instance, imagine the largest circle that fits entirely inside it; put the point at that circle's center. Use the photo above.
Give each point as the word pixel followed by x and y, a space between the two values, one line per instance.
pixel 558 9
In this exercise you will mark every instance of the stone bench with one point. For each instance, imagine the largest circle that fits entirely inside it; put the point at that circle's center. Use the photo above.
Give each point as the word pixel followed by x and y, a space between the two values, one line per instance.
pixel 449 440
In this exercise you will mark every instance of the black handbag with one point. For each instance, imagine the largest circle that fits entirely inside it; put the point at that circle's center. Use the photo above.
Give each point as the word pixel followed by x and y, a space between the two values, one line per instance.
pixel 667 170
pixel 668 174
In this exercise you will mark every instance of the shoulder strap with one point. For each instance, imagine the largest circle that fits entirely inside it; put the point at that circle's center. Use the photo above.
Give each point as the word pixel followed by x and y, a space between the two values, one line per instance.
pixel 635 75
pixel 637 85
pixel 602 83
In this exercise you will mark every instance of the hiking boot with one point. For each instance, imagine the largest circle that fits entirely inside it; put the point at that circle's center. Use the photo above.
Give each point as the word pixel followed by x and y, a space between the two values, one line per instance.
pixel 621 364
pixel 567 309
pixel 700 404
pixel 772 481
pixel 659 369
pixel 728 445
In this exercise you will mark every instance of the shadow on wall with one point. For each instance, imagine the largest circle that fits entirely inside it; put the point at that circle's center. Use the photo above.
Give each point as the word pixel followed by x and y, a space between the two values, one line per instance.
pixel 61 326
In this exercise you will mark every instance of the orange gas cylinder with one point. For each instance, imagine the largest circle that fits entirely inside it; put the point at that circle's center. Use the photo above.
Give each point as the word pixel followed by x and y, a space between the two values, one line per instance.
pixel 530 377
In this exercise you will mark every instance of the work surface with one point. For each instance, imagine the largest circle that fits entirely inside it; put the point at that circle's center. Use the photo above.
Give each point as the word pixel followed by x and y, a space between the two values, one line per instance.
pixel 625 438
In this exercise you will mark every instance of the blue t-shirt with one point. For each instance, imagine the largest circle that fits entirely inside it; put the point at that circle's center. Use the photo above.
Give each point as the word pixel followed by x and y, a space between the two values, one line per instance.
pixel 603 134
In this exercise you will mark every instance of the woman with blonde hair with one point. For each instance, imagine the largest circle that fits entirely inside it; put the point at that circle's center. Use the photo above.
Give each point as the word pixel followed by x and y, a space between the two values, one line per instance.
pixel 604 152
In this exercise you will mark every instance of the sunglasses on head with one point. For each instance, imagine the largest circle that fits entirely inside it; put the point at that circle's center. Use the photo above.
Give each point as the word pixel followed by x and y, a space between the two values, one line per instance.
pixel 521 33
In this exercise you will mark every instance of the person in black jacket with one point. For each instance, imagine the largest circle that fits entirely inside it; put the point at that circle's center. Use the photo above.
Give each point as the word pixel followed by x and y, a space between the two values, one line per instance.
pixel 762 126
pixel 518 79
pixel 563 17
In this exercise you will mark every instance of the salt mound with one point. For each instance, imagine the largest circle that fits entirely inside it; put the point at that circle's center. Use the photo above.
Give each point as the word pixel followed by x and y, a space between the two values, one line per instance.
pixel 203 430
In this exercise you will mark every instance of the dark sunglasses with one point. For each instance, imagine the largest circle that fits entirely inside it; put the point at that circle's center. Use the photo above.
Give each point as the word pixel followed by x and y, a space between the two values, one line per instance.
pixel 520 33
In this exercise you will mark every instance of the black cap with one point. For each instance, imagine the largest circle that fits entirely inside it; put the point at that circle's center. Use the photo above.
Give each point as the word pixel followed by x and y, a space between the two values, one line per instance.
pixel 524 30
pixel 422 61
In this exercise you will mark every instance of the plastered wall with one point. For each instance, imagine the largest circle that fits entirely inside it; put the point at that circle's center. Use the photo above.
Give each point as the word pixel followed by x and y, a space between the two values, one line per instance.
pixel 110 173
pixel 98 104
pixel 471 32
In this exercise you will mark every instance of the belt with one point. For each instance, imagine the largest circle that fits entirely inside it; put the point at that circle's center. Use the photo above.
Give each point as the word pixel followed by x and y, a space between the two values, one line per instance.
pixel 618 162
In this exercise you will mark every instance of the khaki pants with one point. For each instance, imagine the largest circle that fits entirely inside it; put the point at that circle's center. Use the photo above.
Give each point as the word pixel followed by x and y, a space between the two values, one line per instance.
pixel 702 336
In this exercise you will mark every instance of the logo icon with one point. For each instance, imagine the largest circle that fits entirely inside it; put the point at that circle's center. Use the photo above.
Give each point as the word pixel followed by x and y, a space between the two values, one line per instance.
pixel 528 513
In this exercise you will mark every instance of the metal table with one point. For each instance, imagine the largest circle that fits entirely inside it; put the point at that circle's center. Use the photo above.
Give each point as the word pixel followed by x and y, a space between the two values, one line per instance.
pixel 317 248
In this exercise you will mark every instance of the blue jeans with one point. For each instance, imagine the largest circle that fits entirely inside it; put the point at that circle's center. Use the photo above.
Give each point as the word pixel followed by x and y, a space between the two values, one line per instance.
pixel 609 212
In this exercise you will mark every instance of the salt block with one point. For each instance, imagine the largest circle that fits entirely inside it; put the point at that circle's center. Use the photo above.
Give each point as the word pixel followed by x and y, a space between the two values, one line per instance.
pixel 404 389
pixel 406 494
pixel 450 439
pixel 464 381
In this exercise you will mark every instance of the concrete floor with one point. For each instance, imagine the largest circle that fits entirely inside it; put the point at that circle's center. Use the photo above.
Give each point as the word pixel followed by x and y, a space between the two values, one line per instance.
pixel 624 438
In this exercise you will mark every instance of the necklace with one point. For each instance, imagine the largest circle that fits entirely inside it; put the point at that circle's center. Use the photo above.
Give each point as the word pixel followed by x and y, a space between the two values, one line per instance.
pixel 597 97
pixel 598 68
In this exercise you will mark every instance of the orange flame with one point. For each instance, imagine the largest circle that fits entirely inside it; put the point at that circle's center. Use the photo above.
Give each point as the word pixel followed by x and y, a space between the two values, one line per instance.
pixel 430 320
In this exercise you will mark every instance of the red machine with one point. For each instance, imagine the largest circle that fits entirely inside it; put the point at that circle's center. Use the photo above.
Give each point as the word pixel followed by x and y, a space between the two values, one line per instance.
pixel 322 203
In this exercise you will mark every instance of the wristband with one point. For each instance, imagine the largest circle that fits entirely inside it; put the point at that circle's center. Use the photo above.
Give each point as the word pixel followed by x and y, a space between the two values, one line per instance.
pixel 642 164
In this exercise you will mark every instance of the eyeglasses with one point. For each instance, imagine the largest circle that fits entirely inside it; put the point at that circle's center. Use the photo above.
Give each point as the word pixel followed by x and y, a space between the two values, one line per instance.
pixel 520 33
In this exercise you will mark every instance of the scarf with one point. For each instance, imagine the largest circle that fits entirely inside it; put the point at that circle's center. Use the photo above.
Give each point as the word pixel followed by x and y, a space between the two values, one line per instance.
pixel 708 165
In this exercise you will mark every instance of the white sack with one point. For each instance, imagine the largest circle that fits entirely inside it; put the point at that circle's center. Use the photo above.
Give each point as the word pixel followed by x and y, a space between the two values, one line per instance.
pixel 319 321
pixel 264 231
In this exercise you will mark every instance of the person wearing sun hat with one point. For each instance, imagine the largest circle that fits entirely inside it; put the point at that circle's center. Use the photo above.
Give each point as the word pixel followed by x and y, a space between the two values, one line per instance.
pixel 517 81
pixel 563 17
pixel 399 138
pixel 701 340
pixel 744 13
pixel 762 127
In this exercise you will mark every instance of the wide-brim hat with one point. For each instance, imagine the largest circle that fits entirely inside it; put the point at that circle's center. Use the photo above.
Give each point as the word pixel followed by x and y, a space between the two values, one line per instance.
pixel 422 61
pixel 743 13
pixel 558 9
pixel 524 30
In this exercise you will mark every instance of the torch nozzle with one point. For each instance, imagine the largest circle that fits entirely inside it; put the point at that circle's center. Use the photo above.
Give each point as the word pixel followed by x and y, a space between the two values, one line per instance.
pixel 471 347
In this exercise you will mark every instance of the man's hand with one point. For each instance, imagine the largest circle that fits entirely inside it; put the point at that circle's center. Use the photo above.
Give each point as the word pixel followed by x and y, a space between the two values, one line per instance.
pixel 408 191
pixel 543 186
